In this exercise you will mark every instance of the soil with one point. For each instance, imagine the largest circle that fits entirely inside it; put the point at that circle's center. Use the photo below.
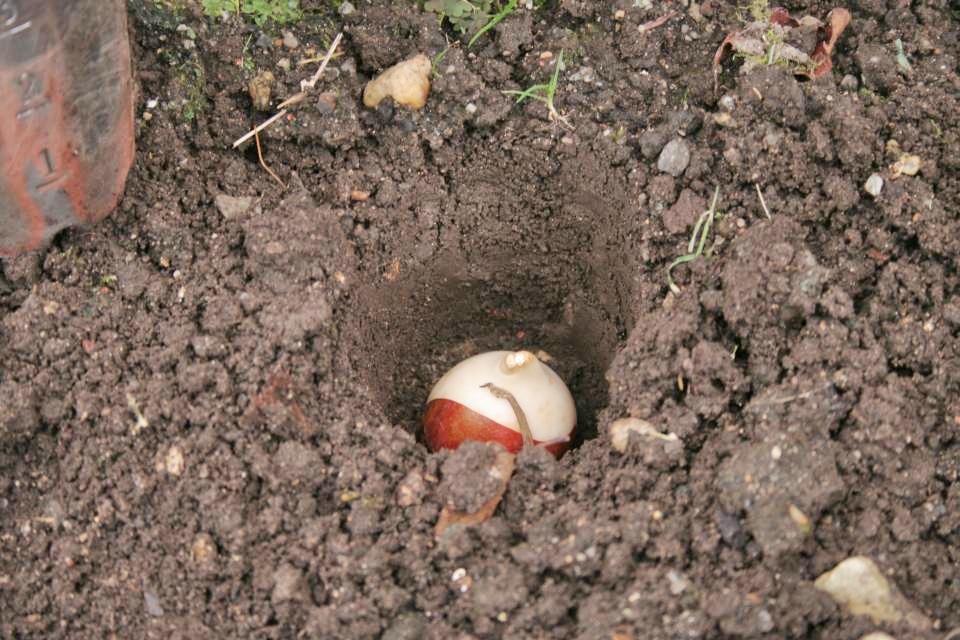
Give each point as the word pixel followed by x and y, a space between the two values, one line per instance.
pixel 209 411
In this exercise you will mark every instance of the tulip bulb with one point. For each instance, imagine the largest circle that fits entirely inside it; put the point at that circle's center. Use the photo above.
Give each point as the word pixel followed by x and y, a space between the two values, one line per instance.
pixel 508 397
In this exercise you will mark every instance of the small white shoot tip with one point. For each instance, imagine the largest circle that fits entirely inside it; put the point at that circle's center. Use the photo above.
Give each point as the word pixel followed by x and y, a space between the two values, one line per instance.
pixel 517 359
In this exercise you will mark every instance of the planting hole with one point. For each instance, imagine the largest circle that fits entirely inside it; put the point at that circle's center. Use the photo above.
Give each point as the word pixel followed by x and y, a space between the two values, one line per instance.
pixel 518 267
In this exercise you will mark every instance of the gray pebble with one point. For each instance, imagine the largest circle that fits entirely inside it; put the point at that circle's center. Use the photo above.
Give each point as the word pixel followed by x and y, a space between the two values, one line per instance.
pixel 584 74
pixel 152 602
pixel 674 158
pixel 346 8
pixel 290 41
pixel 849 83
pixel 651 142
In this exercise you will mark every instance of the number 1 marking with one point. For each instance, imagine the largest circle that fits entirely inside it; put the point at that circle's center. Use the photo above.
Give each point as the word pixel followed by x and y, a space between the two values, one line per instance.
pixel 48 165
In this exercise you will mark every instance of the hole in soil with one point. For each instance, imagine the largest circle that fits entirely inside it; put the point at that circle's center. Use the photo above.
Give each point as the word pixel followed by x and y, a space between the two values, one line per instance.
pixel 519 268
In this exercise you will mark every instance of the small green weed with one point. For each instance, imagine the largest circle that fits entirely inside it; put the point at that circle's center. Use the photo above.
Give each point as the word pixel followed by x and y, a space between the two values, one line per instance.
pixel 476 17
pixel 698 240
pixel 759 10
pixel 192 80
pixel 545 93
pixel 260 11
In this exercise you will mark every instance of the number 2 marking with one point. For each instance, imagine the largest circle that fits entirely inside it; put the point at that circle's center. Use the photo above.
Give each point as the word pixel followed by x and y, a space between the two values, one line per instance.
pixel 31 94
pixel 9 15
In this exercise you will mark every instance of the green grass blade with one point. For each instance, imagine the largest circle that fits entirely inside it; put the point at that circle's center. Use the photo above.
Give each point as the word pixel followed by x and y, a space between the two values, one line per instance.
pixel 494 21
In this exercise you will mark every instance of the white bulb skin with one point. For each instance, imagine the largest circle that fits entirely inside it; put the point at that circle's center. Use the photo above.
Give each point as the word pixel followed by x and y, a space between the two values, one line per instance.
pixel 545 399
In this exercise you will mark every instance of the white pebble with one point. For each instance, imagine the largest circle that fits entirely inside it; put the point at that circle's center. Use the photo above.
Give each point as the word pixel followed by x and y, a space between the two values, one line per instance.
pixel 858 585
pixel 621 429
pixel 874 185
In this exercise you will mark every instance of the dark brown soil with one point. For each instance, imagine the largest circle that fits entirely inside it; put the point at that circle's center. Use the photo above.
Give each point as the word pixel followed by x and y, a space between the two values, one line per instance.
pixel 208 414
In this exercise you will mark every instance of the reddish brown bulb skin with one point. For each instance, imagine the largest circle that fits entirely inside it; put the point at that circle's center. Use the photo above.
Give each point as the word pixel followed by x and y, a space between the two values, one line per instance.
pixel 448 424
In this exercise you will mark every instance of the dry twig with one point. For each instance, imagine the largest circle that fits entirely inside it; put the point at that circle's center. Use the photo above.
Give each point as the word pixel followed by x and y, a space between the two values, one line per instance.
pixel 763 203
pixel 259 128
pixel 297 98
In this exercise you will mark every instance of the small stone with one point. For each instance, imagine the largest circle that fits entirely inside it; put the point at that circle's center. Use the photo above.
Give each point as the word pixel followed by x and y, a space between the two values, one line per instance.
pixel 203 550
pixel 173 462
pixel 800 519
pixel 724 120
pixel 908 165
pixel 858 585
pixel 260 89
pixel 877 635
pixel 874 185
pixel 619 14
pixel 231 207
pixel 152 602
pixel 849 83
pixel 674 158
pixel 327 103
pixel 410 490
pixel 407 82
pixel 584 74
pixel 347 9
pixel 678 583
pixel 264 41
pixel 471 108
pixel 652 142
pixel 284 64
pixel 290 41
pixel 621 429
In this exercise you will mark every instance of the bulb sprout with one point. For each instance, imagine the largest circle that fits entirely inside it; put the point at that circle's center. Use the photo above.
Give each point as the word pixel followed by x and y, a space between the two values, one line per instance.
pixel 516 359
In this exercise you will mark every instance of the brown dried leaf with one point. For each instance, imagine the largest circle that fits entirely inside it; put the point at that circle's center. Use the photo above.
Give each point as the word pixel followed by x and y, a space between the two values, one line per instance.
pixel 837 21
pixel 780 16
pixel 718 57
pixel 502 469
